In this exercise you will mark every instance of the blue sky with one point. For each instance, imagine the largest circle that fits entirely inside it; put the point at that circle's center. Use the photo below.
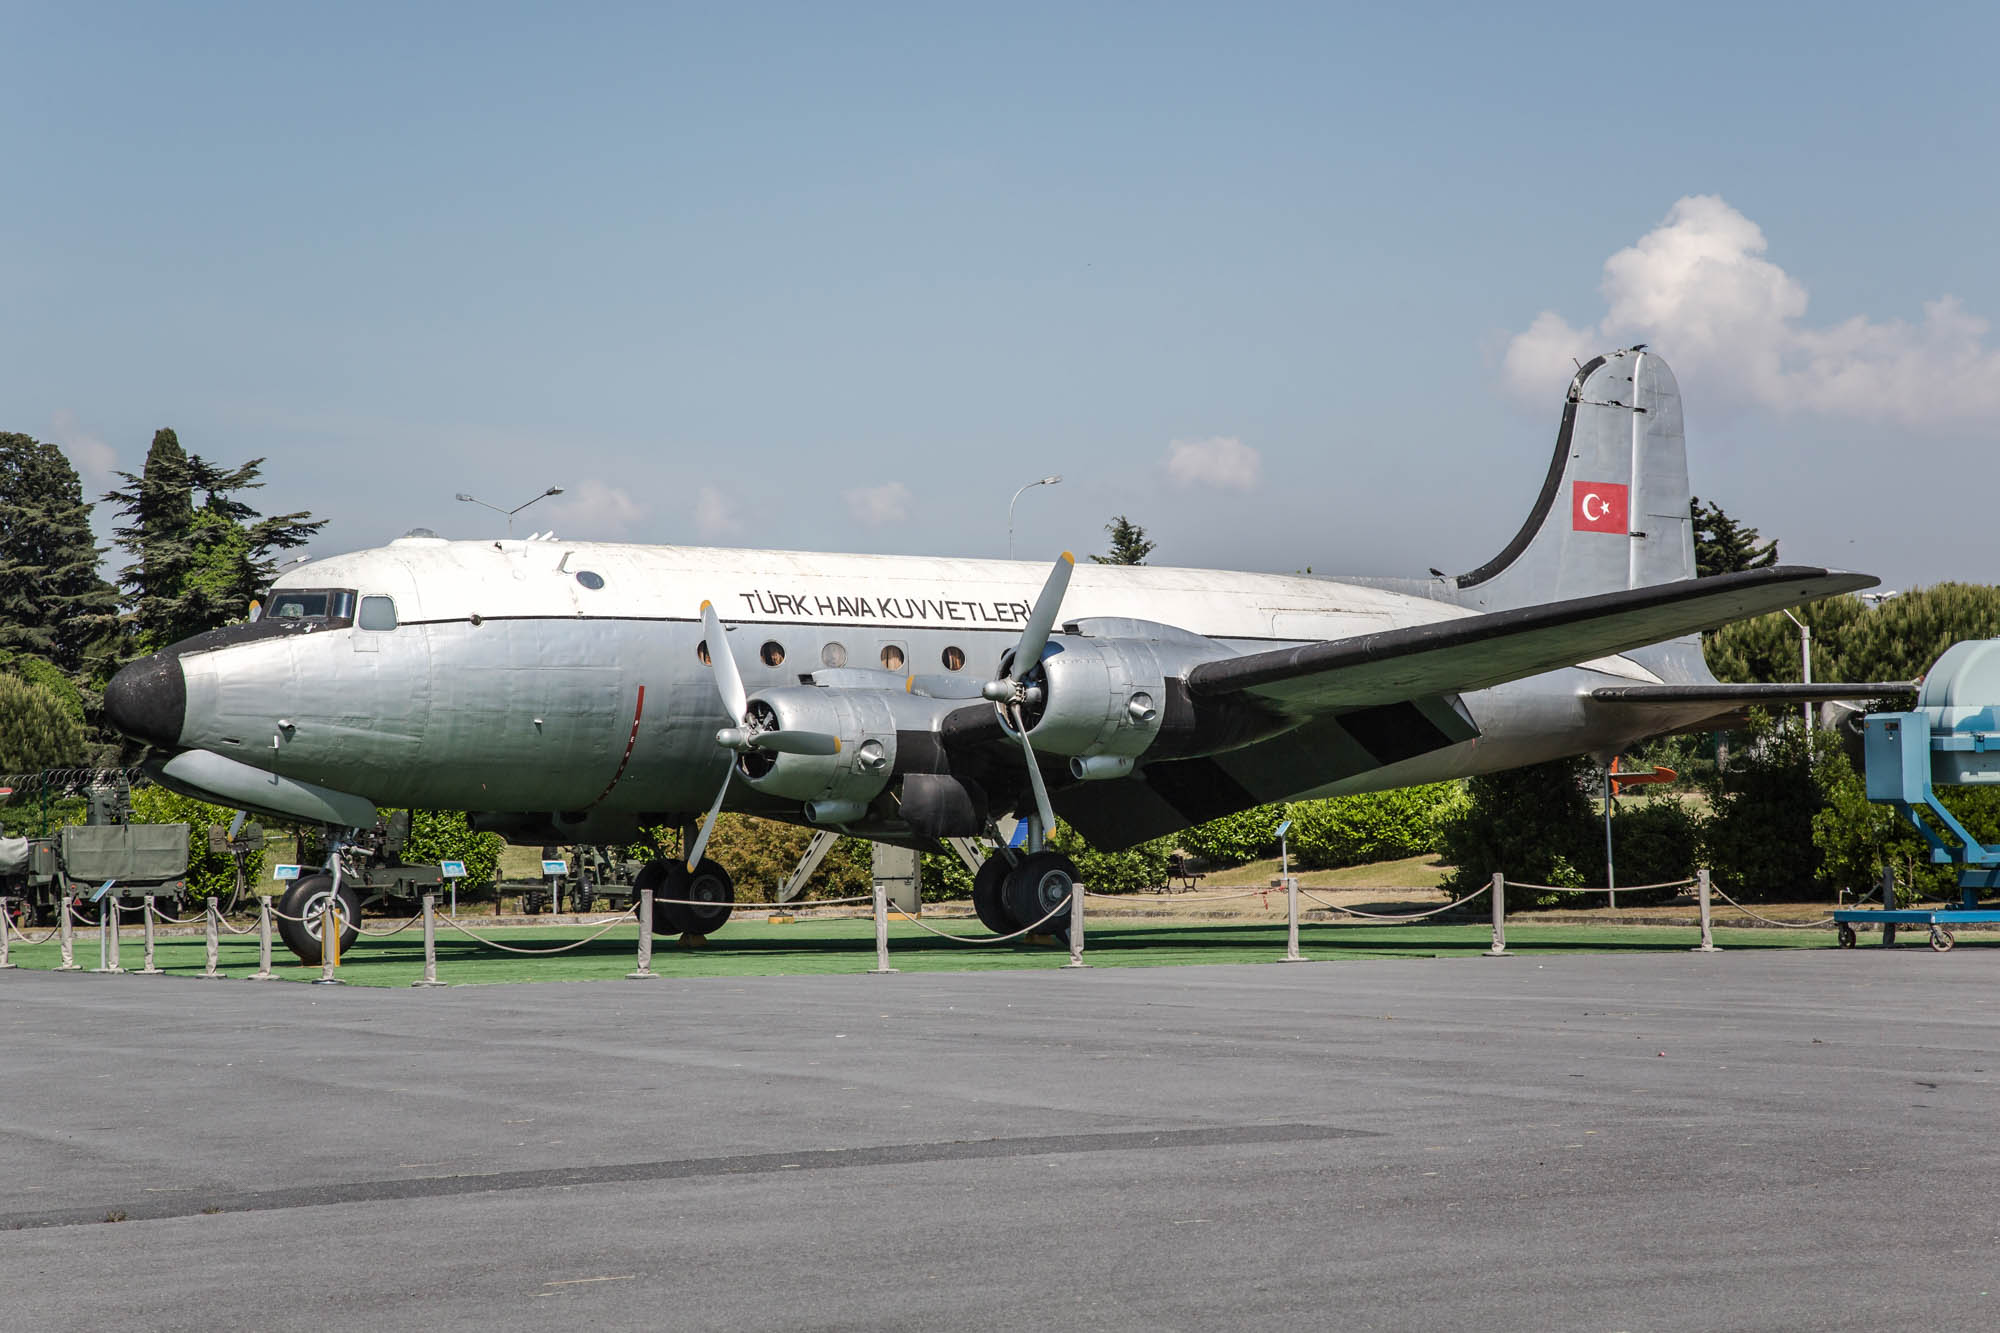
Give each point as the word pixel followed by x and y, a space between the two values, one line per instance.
pixel 1290 286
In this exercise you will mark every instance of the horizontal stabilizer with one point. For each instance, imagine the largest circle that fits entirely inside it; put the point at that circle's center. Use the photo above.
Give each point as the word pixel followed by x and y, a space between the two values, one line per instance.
pixel 1752 696
pixel 1474 652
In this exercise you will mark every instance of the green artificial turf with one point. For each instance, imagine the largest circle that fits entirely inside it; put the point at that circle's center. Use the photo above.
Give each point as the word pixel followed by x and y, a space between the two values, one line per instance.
pixel 749 946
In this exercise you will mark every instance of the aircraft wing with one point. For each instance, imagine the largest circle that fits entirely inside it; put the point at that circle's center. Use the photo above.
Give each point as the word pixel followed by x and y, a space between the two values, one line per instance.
pixel 1474 652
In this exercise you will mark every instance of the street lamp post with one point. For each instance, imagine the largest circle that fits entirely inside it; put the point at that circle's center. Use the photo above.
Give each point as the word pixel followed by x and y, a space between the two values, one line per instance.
pixel 1805 667
pixel 1045 481
pixel 473 499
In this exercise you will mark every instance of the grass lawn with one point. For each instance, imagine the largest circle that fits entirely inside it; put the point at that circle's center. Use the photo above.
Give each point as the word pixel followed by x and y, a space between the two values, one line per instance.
pixel 750 946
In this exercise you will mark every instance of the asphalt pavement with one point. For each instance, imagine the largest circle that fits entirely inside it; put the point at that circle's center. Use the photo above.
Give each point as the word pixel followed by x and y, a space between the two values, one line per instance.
pixel 1777 1140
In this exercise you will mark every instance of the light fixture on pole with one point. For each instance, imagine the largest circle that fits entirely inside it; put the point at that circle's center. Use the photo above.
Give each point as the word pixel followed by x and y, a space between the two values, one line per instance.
pixel 473 499
pixel 1045 481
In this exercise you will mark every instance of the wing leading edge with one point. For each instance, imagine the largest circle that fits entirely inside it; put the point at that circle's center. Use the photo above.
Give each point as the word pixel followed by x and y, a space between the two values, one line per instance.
pixel 1475 652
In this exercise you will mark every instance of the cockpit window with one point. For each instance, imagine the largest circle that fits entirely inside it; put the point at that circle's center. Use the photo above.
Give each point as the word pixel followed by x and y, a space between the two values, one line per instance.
pixel 378 613
pixel 294 604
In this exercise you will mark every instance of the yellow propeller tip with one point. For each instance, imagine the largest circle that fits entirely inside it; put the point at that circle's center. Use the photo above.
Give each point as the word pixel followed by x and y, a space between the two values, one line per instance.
pixel 706 605
pixel 1067 556
pixel 836 745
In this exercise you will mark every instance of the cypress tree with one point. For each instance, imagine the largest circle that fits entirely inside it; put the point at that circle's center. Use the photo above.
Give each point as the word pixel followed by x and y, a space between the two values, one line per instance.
pixel 1128 543
pixel 1724 546
pixel 53 604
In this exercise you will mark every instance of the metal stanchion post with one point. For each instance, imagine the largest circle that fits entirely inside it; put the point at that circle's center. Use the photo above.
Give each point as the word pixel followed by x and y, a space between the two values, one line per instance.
pixel 882 929
pixel 1076 926
pixel 147 912
pixel 263 972
pixel 1707 944
pixel 329 941
pixel 645 968
pixel 430 943
pixel 212 917
pixel 68 934
pixel 6 929
pixel 1292 954
pixel 1499 892
pixel 107 935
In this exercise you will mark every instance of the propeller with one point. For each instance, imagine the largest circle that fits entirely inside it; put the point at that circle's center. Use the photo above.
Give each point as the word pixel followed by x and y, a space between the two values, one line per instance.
pixel 754 729
pixel 1010 691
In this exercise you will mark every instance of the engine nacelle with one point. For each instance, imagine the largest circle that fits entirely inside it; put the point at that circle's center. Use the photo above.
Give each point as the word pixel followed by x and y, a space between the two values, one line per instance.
pixel 1106 696
pixel 864 721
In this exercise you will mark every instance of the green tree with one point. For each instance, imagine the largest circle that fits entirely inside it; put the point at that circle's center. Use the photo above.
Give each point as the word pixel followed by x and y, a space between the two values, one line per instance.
pixel 1724 546
pixel 760 854
pixel 1128 543
pixel 53 604
pixel 445 835
pixel 1758 838
pixel 1896 639
pixel 210 874
pixel 194 568
pixel 36 730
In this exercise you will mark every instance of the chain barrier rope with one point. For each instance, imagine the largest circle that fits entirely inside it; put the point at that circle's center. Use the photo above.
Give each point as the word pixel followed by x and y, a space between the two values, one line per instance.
pixel 1379 916
pixel 618 920
pixel 1622 888
pixel 1782 925
pixel 1180 899
pixel 386 934
pixel 1059 908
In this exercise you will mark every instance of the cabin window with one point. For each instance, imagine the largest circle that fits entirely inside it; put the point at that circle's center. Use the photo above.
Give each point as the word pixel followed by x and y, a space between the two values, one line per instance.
pixel 590 579
pixel 953 659
pixel 701 652
pixel 772 653
pixel 378 613
pixel 892 657
pixel 833 655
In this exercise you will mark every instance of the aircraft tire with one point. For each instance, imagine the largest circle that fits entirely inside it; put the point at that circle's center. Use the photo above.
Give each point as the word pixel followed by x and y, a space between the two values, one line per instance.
pixel 667 878
pixel 988 902
pixel 1033 888
pixel 712 886
pixel 303 899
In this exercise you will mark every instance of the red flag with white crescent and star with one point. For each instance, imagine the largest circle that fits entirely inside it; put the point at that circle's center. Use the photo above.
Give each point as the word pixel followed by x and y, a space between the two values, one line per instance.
pixel 1598 506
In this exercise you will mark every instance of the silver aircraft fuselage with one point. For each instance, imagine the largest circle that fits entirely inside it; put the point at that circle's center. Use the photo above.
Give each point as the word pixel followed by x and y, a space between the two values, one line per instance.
pixel 543 675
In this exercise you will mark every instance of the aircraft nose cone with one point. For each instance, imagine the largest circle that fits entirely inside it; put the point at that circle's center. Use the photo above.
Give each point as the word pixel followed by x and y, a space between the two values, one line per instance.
pixel 147 700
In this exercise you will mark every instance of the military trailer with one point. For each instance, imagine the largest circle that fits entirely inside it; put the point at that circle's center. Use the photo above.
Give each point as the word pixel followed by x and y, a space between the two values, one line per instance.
pixel 37 873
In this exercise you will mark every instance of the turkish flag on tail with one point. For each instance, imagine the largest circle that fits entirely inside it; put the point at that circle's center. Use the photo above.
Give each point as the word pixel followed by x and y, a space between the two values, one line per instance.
pixel 1598 506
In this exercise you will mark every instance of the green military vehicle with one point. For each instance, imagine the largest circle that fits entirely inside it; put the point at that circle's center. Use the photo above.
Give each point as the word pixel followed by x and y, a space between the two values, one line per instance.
pixel 72 861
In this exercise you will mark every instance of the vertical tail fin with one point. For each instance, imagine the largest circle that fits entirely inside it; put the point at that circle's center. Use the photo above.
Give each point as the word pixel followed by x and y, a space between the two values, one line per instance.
pixel 1613 512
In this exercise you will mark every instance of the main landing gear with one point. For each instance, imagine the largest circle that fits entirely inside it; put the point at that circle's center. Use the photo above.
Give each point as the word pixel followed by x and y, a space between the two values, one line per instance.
pixel 307 899
pixel 709 896
pixel 1008 897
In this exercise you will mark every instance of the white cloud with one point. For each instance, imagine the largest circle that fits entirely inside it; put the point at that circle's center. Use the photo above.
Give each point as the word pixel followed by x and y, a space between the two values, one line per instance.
pixel 714 516
pixel 595 509
pixel 877 505
pixel 96 461
pixel 1730 321
pixel 1219 460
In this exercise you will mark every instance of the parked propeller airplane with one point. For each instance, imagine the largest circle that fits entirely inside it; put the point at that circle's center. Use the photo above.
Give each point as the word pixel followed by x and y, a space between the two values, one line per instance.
pixel 571 691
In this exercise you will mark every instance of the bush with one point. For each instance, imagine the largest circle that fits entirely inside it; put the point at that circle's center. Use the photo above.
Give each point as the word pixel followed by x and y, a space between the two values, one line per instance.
pixel 1373 826
pixel 445 835
pixel 1657 840
pixel 1234 839
pixel 1533 824
pixel 1758 838
pixel 210 874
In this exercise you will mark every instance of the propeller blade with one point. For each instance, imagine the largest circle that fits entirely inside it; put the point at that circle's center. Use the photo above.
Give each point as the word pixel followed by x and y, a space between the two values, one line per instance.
pixel 796 742
pixel 701 839
pixel 1042 806
pixel 723 663
pixel 1035 634
pixel 946 687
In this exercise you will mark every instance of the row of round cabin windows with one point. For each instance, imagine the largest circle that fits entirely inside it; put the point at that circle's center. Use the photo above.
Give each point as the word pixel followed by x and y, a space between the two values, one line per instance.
pixel 835 655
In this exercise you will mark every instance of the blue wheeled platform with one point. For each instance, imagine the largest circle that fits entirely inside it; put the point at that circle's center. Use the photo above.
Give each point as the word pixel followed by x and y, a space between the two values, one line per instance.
pixel 1941 922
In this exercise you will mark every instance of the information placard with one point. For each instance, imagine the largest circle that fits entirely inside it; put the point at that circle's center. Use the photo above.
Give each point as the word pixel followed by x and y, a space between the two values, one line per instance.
pixel 452 869
pixel 284 872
